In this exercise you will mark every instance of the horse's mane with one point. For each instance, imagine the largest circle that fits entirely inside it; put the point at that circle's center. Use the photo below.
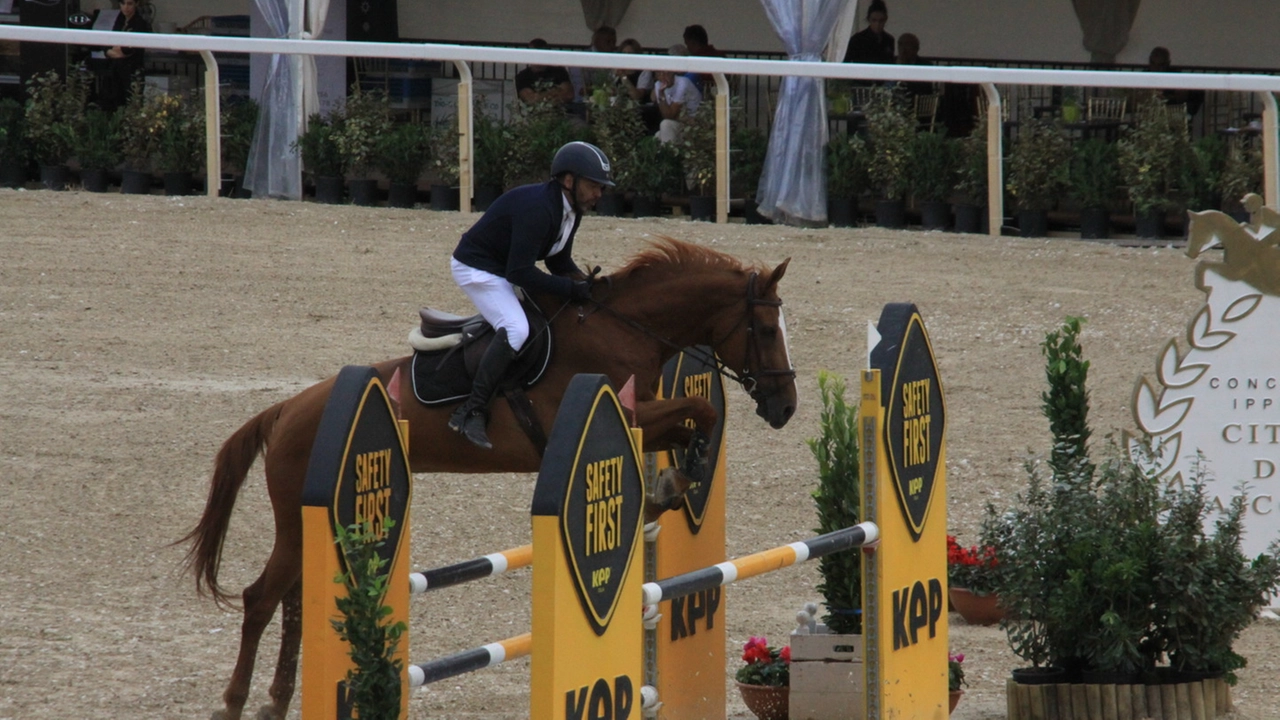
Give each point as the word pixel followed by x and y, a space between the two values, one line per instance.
pixel 667 252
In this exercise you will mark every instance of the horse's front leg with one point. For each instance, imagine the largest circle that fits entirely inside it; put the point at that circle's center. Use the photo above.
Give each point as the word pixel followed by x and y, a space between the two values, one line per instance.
pixel 664 421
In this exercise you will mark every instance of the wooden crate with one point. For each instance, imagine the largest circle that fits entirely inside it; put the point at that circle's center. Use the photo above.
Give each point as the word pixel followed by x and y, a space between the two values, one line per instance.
pixel 827 680
pixel 1202 700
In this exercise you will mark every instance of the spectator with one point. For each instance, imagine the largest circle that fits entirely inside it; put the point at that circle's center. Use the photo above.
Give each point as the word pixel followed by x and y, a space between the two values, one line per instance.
pixel 586 80
pixel 539 83
pixel 1160 60
pixel 676 97
pixel 695 40
pixel 909 54
pixel 123 64
pixel 639 83
pixel 873 44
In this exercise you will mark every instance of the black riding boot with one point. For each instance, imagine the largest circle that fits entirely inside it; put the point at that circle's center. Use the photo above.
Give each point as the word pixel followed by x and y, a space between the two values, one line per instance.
pixel 472 416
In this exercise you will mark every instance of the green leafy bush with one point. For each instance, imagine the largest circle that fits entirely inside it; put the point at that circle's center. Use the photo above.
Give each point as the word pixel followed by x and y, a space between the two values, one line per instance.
pixel 365 119
pixel 1037 165
pixel 1152 156
pixel 657 168
pixel 403 152
pixel 617 127
pixel 13 133
pixel 55 114
pixel 839 503
pixel 239 122
pixel 891 127
pixel 697 148
pixel 933 166
pixel 98 146
pixel 318 146
pixel 491 144
pixel 748 148
pixel 1094 173
pixel 848 165
pixel 537 131
pixel 971 165
pixel 181 142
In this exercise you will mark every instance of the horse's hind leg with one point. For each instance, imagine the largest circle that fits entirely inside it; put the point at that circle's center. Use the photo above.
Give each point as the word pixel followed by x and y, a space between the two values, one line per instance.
pixel 287 665
pixel 282 574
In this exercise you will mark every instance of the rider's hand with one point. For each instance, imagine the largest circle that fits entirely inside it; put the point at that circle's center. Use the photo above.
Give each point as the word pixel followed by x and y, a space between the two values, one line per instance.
pixel 581 291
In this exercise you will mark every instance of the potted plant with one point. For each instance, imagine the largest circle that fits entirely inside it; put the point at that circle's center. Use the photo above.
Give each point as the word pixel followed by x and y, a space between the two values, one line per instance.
pixel 748 149
pixel 490 155
pixel 617 127
pixel 656 168
pixel 931 176
pixel 443 164
pixel 1151 155
pixel 848 161
pixel 1241 175
pixel 839 503
pixel 537 131
pixel 13 144
pixel 318 146
pixel 1201 176
pixel 955 678
pixel 180 145
pixel 971 582
pixel 1093 175
pixel 142 120
pixel 401 155
pixel 239 122
pixel 366 118
pixel 697 147
pixel 98 148
pixel 54 116
pixel 1037 173
pixel 971 179
pixel 891 127
pixel 765 678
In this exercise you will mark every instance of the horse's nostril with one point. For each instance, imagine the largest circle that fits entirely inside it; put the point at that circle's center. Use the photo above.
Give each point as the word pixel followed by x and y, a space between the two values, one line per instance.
pixel 788 411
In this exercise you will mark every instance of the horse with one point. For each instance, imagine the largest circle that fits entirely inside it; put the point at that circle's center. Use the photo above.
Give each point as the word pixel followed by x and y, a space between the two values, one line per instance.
pixel 669 296
pixel 1247 256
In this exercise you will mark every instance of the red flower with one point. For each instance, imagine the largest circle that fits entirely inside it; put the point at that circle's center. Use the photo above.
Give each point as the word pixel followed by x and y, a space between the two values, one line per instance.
pixel 756 650
pixel 785 654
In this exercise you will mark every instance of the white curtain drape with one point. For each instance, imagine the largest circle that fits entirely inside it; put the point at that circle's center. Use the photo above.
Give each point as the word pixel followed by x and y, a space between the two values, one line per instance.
pixel 273 169
pixel 793 188
pixel 1106 25
pixel 838 43
pixel 317 13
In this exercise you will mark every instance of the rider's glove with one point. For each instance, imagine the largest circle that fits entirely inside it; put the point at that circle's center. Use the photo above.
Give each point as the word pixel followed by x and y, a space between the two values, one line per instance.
pixel 581 291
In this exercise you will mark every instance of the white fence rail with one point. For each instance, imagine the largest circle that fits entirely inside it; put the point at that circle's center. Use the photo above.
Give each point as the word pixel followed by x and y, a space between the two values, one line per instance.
pixel 1265 86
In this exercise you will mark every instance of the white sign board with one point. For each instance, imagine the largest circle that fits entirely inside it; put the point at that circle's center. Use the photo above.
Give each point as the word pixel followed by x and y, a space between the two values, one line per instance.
pixel 493 96
pixel 1219 393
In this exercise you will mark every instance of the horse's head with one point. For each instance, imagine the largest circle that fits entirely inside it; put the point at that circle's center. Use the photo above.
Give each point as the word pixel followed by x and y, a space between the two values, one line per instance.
pixel 766 371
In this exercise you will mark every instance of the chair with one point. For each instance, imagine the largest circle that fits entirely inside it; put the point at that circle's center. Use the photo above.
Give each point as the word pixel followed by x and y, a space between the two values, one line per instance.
pixel 926 111
pixel 1105 108
pixel 861 96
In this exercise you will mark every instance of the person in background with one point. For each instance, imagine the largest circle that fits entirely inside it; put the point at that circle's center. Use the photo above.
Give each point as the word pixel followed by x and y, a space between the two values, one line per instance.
pixel 500 253
pixel 872 44
pixel 909 54
pixel 1160 60
pixel 638 83
pixel 539 83
pixel 123 64
pixel 695 40
pixel 676 97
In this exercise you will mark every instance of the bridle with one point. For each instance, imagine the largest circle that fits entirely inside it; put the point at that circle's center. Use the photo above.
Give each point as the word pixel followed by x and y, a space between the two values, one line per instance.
pixel 746 378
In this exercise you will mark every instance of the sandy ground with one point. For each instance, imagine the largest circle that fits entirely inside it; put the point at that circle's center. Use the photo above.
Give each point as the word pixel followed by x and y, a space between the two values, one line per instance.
pixel 136 333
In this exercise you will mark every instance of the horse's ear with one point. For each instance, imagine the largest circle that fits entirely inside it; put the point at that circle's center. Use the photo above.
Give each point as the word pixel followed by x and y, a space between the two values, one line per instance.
pixel 776 275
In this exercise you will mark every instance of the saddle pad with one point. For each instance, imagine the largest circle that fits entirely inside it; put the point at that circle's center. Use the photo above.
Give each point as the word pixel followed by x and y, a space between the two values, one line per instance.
pixel 441 377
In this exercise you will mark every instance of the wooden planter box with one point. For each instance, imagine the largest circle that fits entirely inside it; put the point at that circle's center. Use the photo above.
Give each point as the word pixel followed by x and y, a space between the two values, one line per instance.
pixel 1202 700
pixel 827 679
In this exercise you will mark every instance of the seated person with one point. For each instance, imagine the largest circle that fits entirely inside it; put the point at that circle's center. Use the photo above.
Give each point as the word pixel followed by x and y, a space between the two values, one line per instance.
pixel 639 83
pixel 872 44
pixel 676 97
pixel 539 83
pixel 1160 60
pixel 909 54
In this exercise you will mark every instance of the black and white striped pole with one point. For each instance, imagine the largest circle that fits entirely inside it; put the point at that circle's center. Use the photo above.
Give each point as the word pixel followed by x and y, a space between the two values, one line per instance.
pixel 481 567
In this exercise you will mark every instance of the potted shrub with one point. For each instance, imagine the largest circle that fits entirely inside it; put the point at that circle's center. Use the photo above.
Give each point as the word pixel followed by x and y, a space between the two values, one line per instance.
pixel 239 122
pixel 1151 155
pixel 1037 173
pixel 839 503
pixel 54 117
pixel 657 170
pixel 617 127
pixel 931 176
pixel 1241 175
pixel 764 679
pixel 443 164
pixel 13 144
pixel 365 119
pixel 697 148
pixel 180 145
pixel 401 155
pixel 971 179
pixel 537 131
pixel 98 148
pixel 847 178
pixel 1201 176
pixel 748 149
pixel 1093 175
pixel 318 146
pixel 891 127
pixel 142 120
pixel 490 139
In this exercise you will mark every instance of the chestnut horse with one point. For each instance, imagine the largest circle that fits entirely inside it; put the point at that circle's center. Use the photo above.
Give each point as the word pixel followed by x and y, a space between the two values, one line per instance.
pixel 670 296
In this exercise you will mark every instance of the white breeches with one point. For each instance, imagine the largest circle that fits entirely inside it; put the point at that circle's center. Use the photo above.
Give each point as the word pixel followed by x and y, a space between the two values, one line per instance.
pixel 496 300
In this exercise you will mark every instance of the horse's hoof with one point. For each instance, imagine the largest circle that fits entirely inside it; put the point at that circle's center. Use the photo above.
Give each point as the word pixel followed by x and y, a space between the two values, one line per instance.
pixel 268 712
pixel 224 715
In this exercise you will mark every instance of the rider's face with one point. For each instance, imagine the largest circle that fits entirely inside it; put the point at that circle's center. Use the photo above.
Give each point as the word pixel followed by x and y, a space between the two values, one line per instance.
pixel 588 191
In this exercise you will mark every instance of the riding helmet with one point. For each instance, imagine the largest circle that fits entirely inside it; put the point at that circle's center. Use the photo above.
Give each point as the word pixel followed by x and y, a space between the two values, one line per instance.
pixel 584 160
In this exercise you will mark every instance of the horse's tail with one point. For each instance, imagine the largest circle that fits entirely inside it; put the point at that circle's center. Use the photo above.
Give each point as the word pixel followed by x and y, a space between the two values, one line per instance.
pixel 230 468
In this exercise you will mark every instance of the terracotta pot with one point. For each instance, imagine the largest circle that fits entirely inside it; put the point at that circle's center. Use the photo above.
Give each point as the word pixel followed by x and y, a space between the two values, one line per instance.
pixel 954 700
pixel 766 702
pixel 976 609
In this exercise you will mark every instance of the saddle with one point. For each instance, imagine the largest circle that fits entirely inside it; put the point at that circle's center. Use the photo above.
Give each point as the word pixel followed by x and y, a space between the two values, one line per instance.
pixel 448 348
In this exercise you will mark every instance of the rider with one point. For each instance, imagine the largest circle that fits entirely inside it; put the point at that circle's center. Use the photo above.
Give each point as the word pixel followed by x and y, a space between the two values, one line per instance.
pixel 530 223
